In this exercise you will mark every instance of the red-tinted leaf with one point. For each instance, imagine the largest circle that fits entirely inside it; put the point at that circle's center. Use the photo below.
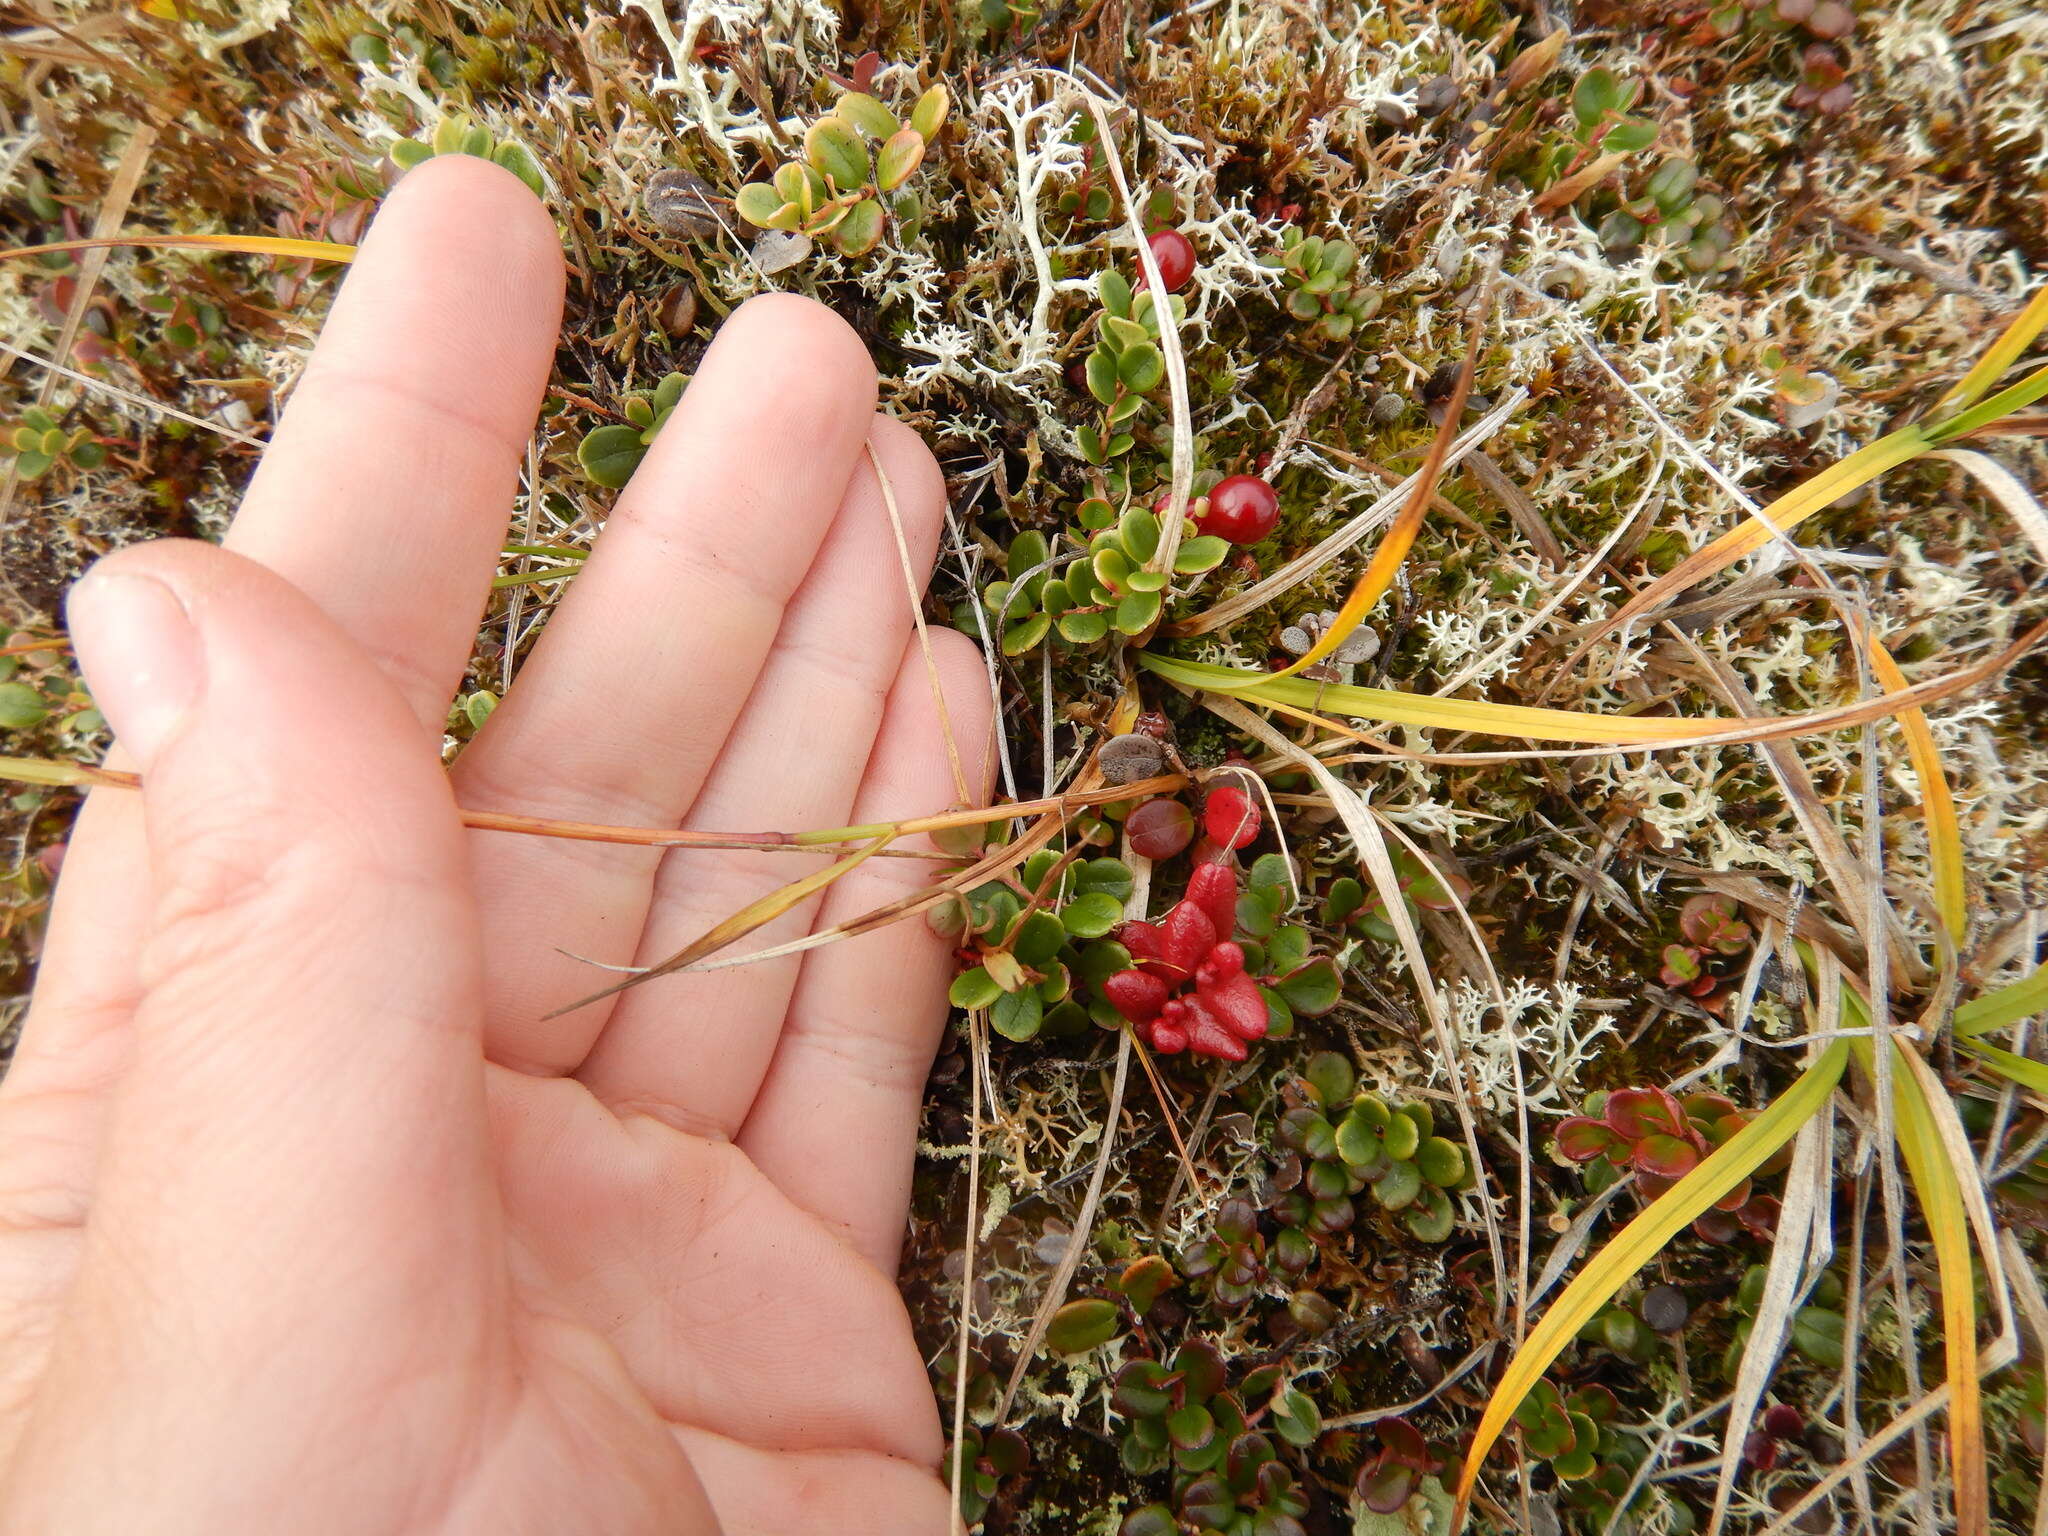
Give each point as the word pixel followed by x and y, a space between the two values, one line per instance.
pixel 1582 1139
pixel 1638 1112
pixel 1784 1422
pixel 1385 1486
pixel 1665 1157
pixel 1159 829
pixel 1402 1442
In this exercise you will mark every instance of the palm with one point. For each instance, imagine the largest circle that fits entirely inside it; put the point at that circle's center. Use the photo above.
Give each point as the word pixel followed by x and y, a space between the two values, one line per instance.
pixel 589 1272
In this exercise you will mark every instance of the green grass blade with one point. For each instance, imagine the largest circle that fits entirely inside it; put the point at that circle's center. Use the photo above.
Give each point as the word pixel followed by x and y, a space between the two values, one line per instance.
pixel 1999 356
pixel 1640 1241
pixel 2021 999
pixel 2029 1074
pixel 2004 403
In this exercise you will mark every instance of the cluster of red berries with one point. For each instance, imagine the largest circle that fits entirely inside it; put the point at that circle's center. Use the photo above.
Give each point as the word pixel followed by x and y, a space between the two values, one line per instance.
pixel 1189 989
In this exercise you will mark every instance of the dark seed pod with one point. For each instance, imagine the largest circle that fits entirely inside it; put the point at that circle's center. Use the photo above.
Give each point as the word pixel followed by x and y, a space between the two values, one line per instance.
pixel 678 310
pixel 1665 1308
pixel 680 203
pixel 1127 759
pixel 1437 95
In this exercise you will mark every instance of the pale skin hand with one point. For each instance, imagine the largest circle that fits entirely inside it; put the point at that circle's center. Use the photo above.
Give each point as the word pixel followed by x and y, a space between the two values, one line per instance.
pixel 309 1220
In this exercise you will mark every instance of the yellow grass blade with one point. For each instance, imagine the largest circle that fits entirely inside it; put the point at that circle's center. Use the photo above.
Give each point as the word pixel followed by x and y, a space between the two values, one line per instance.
pixel 1999 356
pixel 1607 1271
pixel 1488 718
pixel 2029 1074
pixel 1936 1182
pixel 1788 511
pixel 1941 1205
pixel 1937 805
pixel 1400 536
pixel 248 245
pixel 2021 999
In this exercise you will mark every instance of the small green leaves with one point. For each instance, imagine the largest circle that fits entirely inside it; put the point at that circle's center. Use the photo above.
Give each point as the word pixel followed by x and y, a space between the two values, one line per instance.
pixel 610 454
pixel 457 135
pixel 1080 1326
pixel 929 115
pixel 899 159
pixel 860 230
pixel 1114 289
pixel 1599 93
pixel 867 114
pixel 836 152
pixel 21 707
pixel 1017 1015
pixel 765 208
pixel 973 988
pixel 1202 553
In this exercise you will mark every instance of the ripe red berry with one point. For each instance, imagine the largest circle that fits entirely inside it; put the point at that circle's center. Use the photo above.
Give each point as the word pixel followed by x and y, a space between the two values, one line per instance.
pixel 1242 509
pixel 1160 828
pixel 1230 816
pixel 1175 253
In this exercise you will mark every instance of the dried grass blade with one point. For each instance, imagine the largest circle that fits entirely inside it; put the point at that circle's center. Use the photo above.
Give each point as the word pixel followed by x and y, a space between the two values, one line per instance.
pixel 1779 516
pixel 1638 1242
pixel 743 922
pixel 2005 488
pixel 1937 805
pixel 1772 1325
pixel 1942 1206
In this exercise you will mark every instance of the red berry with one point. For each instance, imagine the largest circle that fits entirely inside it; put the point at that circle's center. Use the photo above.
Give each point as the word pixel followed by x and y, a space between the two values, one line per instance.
pixel 1160 828
pixel 1242 509
pixel 1175 253
pixel 1230 816
pixel 1784 1422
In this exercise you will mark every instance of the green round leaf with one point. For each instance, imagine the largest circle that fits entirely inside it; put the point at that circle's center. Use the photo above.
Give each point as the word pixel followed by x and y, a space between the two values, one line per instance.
pixel 764 207
pixel 930 111
pixel 835 151
pixel 610 454
pixel 519 160
pixel 1137 611
pixel 1025 634
pixel 1115 291
pixel 1441 1162
pixel 866 114
pixel 860 231
pixel 1142 368
pixel 1017 1015
pixel 974 989
pixel 1431 1218
pixel 1314 989
pixel 1080 1326
pixel 899 159
pixel 1091 915
pixel 1083 628
pixel 1203 553
pixel 1398 1186
pixel 21 707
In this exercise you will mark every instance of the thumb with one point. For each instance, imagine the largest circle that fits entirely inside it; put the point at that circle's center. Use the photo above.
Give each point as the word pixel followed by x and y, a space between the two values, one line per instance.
pixel 291 1214
pixel 307 1039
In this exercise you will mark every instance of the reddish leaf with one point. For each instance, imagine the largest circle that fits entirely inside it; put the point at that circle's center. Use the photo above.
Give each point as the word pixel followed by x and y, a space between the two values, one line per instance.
pixel 1638 1112
pixel 1213 888
pixel 1135 995
pixel 1582 1139
pixel 1665 1157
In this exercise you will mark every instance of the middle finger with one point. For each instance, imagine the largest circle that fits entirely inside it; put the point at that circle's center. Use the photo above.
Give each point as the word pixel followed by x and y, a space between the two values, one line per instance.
pixel 628 698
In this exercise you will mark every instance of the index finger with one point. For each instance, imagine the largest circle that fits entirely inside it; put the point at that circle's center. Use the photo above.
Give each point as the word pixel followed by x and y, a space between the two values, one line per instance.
pixel 383 497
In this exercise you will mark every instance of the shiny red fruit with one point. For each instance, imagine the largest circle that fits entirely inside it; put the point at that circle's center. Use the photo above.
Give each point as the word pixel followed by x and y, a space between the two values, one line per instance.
pixel 1175 253
pixel 1242 509
pixel 1230 816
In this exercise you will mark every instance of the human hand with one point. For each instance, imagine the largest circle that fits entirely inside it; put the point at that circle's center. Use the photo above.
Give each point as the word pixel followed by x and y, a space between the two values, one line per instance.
pixel 309 1220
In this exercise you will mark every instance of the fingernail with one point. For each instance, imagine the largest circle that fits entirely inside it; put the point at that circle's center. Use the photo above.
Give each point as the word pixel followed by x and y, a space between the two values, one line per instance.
pixel 140 655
